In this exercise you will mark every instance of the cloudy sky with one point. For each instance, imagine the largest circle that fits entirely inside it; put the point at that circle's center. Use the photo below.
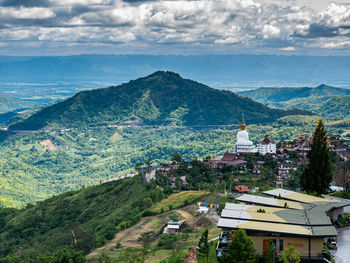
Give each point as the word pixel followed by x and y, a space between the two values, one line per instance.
pixel 62 27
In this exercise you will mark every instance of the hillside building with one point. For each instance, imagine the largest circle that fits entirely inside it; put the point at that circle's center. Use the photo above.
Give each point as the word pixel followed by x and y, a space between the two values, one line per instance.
pixel 267 146
pixel 283 171
pixel 287 218
pixel 232 159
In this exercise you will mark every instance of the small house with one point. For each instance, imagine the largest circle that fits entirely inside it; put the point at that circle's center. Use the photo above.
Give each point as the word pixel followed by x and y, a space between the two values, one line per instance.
pixel 241 189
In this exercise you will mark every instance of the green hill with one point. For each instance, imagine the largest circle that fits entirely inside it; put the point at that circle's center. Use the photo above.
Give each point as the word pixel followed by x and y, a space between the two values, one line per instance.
pixel 160 98
pixel 306 98
pixel 83 219
pixel 337 107
pixel 9 104
pixel 266 94
pixel 94 214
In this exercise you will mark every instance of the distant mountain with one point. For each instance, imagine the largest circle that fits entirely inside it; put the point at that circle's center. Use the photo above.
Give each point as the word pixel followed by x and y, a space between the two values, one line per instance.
pixel 305 98
pixel 287 94
pixel 160 98
pixel 336 107
pixel 9 104
pixel 232 70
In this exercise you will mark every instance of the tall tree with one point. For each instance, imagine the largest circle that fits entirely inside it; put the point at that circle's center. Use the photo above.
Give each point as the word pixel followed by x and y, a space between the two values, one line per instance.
pixel 241 249
pixel 203 245
pixel 318 173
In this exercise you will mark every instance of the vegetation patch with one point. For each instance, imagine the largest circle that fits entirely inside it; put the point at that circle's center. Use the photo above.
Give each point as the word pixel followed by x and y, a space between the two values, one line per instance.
pixel 178 200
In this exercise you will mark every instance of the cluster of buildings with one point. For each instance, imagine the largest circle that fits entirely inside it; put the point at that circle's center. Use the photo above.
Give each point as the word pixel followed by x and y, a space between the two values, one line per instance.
pixel 286 218
pixel 335 143
pixel 243 146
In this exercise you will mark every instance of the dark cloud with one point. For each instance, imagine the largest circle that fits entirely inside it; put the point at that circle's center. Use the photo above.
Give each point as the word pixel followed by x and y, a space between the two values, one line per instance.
pixel 317 30
pixel 25 3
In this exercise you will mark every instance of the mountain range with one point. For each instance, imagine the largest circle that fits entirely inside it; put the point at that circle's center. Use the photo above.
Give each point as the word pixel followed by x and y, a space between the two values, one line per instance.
pixel 162 98
pixel 322 100
pixel 11 104
pixel 232 70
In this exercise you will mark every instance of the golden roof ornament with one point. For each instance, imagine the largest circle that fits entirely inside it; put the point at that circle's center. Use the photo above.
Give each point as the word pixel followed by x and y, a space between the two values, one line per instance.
pixel 242 127
pixel 319 121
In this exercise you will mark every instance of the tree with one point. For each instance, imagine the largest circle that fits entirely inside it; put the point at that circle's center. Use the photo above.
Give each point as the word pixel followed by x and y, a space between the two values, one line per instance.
pixel 241 249
pixel 176 157
pixel 104 258
pixel 203 245
pixel 270 252
pixel 135 255
pixel 68 254
pixel 290 255
pixel 317 175
pixel 177 256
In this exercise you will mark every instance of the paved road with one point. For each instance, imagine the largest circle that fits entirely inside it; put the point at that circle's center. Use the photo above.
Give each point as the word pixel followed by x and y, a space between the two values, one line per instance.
pixel 343 243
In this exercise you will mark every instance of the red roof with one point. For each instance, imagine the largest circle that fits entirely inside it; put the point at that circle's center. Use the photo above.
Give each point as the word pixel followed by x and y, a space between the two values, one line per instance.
pixel 233 163
pixel 229 156
pixel 241 188
pixel 267 140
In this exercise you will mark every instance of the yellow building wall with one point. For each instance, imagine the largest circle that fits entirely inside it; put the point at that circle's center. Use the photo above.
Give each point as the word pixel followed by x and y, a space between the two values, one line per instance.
pixel 301 244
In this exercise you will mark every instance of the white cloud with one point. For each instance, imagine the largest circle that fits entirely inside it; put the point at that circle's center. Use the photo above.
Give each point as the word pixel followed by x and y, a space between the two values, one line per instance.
pixel 26 13
pixel 270 31
pixel 335 45
pixel 287 48
pixel 245 24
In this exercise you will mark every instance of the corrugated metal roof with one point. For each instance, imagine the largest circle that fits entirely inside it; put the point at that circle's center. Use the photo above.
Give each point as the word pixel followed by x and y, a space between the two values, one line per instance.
pixel 295 196
pixel 277 215
pixel 319 231
pixel 256 199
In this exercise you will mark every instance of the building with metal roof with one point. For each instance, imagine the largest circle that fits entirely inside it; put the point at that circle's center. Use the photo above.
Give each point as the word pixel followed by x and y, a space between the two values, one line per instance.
pixel 295 196
pixel 269 201
pixel 287 218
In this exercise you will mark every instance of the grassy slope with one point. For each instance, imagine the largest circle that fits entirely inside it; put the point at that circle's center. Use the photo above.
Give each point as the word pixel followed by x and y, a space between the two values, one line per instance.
pixel 92 213
pixel 129 237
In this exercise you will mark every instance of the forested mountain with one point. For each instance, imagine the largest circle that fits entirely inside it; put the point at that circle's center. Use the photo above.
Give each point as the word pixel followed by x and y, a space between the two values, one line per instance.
pixel 160 98
pixel 336 107
pixel 305 98
pixel 10 104
pixel 83 219
pixel 266 94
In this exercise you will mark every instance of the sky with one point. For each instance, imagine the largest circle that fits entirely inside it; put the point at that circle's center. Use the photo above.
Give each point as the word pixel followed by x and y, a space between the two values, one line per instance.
pixel 197 27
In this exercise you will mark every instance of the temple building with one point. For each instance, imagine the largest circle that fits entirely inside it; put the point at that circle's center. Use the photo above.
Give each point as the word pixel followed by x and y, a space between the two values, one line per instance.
pixel 267 146
pixel 243 144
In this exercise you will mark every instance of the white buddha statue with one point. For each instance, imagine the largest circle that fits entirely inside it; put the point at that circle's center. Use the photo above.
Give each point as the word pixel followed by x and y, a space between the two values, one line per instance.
pixel 243 144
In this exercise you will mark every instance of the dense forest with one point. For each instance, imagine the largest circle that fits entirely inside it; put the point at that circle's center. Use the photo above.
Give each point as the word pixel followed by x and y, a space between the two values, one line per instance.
pixel 325 100
pixel 41 164
pixel 82 219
